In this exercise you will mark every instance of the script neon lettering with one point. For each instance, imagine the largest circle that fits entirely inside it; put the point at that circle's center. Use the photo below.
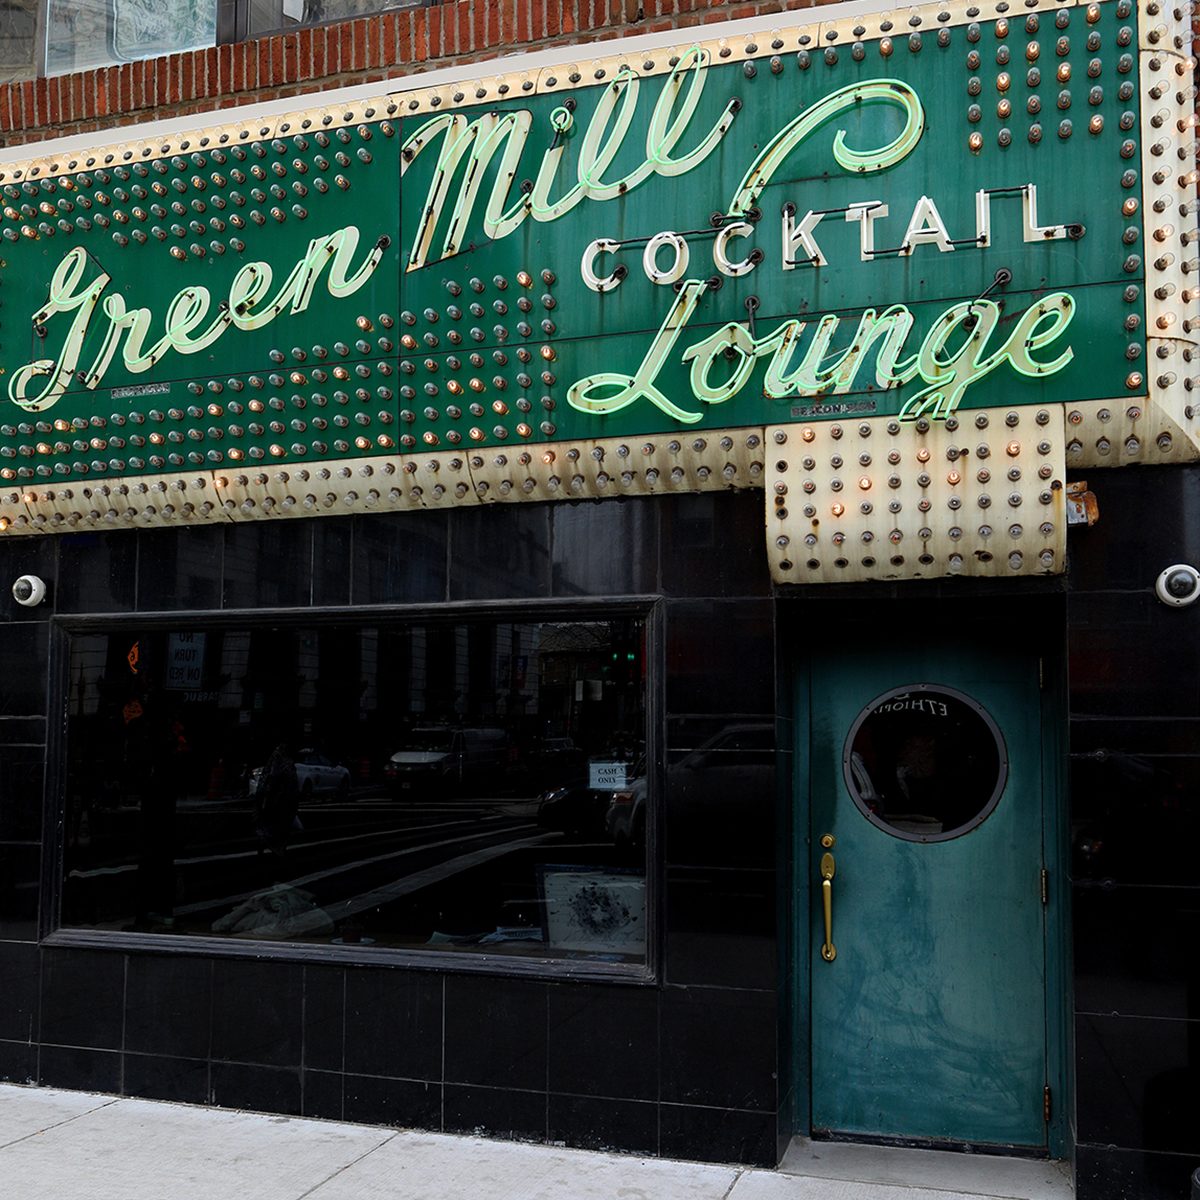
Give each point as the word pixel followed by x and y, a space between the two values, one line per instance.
pixel 477 141
pixel 185 314
pixel 946 373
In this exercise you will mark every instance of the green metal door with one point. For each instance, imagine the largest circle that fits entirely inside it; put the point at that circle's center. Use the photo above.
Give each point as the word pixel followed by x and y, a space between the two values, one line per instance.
pixel 926 854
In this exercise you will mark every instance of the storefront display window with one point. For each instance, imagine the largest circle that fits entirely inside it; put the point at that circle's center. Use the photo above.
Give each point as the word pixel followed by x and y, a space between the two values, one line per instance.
pixel 474 786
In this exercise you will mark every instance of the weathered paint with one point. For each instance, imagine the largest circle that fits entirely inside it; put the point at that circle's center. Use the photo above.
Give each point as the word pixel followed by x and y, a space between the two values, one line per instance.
pixel 931 1022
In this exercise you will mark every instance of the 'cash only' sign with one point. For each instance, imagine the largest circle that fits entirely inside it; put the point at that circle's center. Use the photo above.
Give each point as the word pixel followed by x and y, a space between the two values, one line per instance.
pixel 896 216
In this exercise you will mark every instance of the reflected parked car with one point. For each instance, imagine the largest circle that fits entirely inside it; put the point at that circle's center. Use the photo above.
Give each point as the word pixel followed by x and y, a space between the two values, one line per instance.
pixel 316 775
pixel 722 790
pixel 438 759
pixel 574 807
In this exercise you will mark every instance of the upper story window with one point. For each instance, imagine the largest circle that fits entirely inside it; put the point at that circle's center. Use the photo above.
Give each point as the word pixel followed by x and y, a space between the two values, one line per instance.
pixel 273 16
pixel 18 39
pixel 96 33
pixel 56 37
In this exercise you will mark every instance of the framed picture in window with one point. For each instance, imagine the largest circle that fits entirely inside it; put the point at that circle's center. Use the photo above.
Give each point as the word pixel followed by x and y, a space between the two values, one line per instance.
pixel 594 911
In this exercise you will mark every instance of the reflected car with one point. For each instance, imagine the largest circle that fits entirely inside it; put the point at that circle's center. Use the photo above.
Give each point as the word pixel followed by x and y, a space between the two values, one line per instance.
pixel 438 759
pixel 316 775
pixel 625 815
pixel 574 808
pixel 726 785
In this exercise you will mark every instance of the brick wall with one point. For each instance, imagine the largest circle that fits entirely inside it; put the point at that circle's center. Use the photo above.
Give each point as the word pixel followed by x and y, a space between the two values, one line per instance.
pixel 360 51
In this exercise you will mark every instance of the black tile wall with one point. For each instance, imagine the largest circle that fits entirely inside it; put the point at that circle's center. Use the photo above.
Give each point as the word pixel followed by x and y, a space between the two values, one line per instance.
pixel 685 1065
pixel 168 1003
pixel 393 1024
pixel 713 545
pixel 496 1031
pixel 399 558
pixel 18 1062
pixel 603 1041
pixel 603 548
pixel 268 564
pixel 157 1077
pixel 180 568
pixel 80 1070
pixel 20 879
pixel 720 927
pixel 1125 551
pixel 333 561
pixel 1139 1079
pixel 258 1012
pixel 27 556
pixel 83 998
pixel 265 1089
pixel 595 1123
pixel 324 1018
pixel 1110 1173
pixel 1127 950
pixel 22 770
pixel 1135 818
pixel 718 1048
pixel 405 1102
pixel 730 675
pixel 500 1112
pixel 24 647
pixel 19 966
pixel 498 551
pixel 717 1135
pixel 97 572
pixel 321 1094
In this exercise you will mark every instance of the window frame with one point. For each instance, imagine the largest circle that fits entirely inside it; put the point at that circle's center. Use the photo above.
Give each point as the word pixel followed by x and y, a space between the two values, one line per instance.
pixel 233 20
pixel 649 608
pixel 232 27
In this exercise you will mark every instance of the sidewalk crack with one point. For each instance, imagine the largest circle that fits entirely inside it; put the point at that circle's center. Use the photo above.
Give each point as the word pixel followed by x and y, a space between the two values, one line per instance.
pixel 60 1124
pixel 346 1166
pixel 733 1183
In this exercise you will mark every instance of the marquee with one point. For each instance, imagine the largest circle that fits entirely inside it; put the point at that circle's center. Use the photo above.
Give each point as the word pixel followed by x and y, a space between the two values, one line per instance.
pixel 900 270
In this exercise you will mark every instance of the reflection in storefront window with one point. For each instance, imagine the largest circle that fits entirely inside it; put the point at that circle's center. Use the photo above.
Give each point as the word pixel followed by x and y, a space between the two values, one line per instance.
pixel 925 763
pixel 267 16
pixel 474 786
pixel 94 33
pixel 18 30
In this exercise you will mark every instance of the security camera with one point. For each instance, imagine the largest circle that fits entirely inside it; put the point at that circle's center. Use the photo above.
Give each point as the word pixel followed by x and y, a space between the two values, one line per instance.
pixel 29 590
pixel 1178 586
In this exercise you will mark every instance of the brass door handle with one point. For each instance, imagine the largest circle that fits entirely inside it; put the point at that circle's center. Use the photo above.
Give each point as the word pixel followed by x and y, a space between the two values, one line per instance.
pixel 828 867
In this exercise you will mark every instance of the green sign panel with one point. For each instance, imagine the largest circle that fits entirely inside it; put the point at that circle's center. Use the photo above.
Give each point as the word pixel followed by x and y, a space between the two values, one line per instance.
pixel 839 221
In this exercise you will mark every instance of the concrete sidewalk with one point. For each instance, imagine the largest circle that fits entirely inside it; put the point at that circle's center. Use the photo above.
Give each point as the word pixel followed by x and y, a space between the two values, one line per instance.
pixel 76 1146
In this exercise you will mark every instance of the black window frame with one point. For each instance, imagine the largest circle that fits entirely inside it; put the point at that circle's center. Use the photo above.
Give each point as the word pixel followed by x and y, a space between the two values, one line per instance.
pixel 233 19
pixel 232 27
pixel 649 608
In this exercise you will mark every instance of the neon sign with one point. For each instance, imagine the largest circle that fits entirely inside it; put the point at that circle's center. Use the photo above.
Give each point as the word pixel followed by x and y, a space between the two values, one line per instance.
pixel 754 230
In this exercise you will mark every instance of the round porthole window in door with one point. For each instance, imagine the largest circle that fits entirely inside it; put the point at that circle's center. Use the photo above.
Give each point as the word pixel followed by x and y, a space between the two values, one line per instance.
pixel 925 763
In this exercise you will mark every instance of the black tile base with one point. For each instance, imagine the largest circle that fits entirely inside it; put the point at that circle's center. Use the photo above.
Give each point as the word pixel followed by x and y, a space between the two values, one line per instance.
pixel 1106 1173
pixel 80 1070
pixel 495 1112
pixel 154 1077
pixel 721 1135
pixel 406 1103
pixel 18 1062
pixel 260 1089
pixel 592 1123
pixel 322 1095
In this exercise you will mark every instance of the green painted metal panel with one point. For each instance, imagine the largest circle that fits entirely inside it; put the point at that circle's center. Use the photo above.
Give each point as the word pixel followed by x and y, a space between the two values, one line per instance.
pixel 931 1021
pixel 369 235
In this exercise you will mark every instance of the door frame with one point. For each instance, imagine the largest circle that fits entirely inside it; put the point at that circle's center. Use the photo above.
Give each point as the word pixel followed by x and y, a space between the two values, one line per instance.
pixel 1038 619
